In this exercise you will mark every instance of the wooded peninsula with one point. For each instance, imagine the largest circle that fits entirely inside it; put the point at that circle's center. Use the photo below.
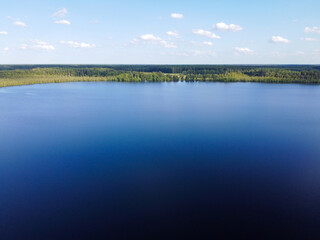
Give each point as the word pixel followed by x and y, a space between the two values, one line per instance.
pixel 15 75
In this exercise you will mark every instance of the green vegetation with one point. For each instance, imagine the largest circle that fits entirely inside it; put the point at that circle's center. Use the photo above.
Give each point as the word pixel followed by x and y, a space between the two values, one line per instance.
pixel 13 75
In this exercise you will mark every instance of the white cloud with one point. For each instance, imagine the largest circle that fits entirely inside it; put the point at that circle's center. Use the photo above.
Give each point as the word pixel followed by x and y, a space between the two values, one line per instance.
pixel 243 50
pixel 227 27
pixel 299 53
pixel 60 13
pixel 207 43
pixel 74 44
pixel 205 33
pixel 3 33
pixel 173 34
pixel 6 49
pixel 290 54
pixel 63 22
pixel 180 54
pixel 275 54
pixel 19 24
pixel 312 30
pixel 195 53
pixel 177 15
pixel 149 37
pixel 316 53
pixel 278 39
pixel 309 39
pixel 37 45
pixel 152 39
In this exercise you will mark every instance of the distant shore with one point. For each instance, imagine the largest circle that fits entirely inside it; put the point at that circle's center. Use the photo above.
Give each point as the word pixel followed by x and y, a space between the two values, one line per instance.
pixel 27 75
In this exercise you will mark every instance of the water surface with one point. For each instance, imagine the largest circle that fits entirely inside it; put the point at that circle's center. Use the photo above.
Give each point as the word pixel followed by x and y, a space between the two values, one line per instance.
pixel 160 161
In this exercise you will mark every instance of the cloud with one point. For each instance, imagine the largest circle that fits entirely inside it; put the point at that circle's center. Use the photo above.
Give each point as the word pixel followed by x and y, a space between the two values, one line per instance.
pixel 4 50
pixel 152 39
pixel 225 27
pixel 241 50
pixel 195 53
pixel 299 53
pixel 205 33
pixel 275 54
pixel 312 30
pixel 73 44
pixel 309 39
pixel 177 15
pixel 19 24
pixel 173 34
pixel 290 54
pixel 37 45
pixel 62 22
pixel 3 33
pixel 60 13
pixel 180 54
pixel 278 39
pixel 316 53
pixel 205 43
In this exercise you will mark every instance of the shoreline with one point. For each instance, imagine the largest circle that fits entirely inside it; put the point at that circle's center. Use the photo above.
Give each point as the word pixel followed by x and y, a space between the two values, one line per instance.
pixel 301 75
pixel 182 81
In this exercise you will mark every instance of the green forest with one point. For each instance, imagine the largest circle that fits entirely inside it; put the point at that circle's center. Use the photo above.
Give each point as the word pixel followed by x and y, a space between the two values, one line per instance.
pixel 14 75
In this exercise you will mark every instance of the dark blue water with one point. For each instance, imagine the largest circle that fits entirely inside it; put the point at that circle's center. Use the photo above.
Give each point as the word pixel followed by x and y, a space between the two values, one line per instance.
pixel 160 161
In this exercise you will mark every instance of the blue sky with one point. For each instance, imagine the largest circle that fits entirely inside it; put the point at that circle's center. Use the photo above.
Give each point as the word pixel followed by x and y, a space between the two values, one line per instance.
pixel 159 32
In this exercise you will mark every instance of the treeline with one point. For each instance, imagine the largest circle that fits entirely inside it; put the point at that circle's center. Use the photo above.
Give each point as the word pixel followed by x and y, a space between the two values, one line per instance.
pixel 179 69
pixel 103 73
pixel 59 75
pixel 192 73
pixel 260 75
pixel 74 72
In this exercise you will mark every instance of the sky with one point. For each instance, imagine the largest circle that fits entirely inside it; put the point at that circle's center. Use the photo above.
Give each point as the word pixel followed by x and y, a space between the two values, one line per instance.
pixel 159 32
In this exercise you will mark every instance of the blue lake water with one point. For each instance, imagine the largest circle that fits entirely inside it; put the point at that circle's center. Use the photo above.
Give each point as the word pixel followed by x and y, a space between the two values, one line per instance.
pixel 160 161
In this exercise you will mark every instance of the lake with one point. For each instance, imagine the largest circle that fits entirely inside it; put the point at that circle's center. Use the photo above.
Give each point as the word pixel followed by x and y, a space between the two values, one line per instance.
pixel 160 161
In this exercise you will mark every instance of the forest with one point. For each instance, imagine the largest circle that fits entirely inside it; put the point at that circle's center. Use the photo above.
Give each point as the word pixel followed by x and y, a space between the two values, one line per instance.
pixel 14 75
